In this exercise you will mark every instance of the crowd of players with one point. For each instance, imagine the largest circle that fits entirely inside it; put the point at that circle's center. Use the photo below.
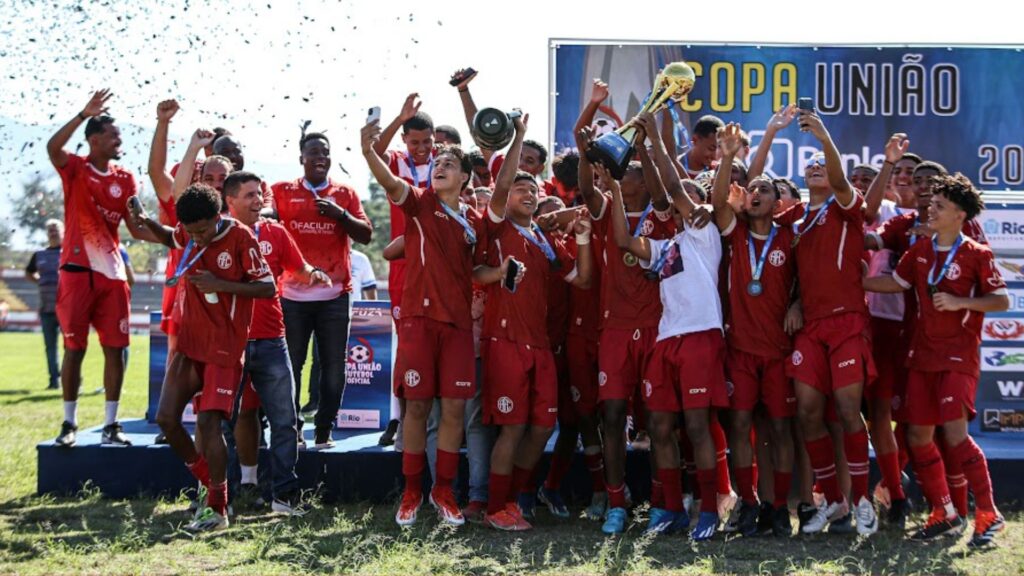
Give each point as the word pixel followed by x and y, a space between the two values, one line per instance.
pixel 747 330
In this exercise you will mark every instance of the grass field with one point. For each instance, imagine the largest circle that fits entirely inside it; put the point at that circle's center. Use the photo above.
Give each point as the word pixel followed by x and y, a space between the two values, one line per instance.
pixel 94 535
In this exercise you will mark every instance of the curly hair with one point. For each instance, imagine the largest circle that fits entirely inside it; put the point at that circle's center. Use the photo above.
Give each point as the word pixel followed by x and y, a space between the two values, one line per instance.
pixel 198 202
pixel 959 190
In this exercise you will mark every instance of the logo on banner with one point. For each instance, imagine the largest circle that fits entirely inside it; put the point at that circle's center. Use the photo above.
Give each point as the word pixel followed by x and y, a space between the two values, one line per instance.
pixel 995 420
pixel 505 405
pixel 1012 269
pixel 360 353
pixel 1010 389
pixel 361 366
pixel 1003 359
pixel 1003 329
pixel 1004 228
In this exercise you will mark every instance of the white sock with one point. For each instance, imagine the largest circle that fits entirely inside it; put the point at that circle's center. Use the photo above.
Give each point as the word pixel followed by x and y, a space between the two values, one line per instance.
pixel 71 412
pixel 111 411
pixel 248 474
pixel 950 510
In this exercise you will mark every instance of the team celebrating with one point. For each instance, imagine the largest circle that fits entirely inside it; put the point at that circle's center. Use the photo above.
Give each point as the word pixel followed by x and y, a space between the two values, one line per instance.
pixel 757 334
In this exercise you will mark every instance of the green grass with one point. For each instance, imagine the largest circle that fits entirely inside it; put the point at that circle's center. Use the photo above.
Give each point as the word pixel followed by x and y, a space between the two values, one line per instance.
pixel 92 534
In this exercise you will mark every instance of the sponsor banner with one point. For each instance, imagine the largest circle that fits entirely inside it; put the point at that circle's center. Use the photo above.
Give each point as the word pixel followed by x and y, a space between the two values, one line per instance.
pixel 1004 228
pixel 1002 420
pixel 1012 269
pixel 1002 330
pixel 1002 359
pixel 359 419
pixel 367 401
pixel 1001 388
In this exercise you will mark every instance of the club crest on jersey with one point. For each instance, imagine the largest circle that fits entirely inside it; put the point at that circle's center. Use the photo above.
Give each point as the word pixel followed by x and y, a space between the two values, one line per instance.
pixel 647 227
pixel 505 405
pixel 602 378
pixel 648 388
pixel 224 260
pixel 123 325
pixel 954 271
pixel 777 258
pixel 729 388
pixel 412 378
pixel 798 358
pixel 115 190
pixel 575 394
pixel 396 312
pixel 266 248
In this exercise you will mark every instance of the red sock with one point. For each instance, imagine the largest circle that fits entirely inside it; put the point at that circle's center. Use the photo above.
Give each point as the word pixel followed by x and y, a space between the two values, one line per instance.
pixel 707 480
pixel 217 497
pixel 901 445
pixel 673 490
pixel 856 446
pixel 976 470
pixel 447 468
pixel 559 467
pixel 617 496
pixel 723 484
pixel 930 474
pixel 890 465
pixel 657 492
pixel 200 470
pixel 595 465
pixel 412 469
pixel 498 489
pixel 783 483
pixel 823 462
pixel 745 483
pixel 520 482
pixel 955 479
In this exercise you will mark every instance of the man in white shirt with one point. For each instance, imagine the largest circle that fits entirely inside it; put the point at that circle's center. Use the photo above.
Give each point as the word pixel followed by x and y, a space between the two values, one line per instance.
pixel 364 281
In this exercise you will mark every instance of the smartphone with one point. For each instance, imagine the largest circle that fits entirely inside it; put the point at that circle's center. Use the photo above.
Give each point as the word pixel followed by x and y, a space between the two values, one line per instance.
pixel 805 104
pixel 373 115
pixel 458 78
pixel 510 275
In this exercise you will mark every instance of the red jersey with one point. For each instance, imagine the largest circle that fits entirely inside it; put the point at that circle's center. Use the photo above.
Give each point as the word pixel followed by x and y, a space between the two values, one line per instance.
pixel 322 240
pixel 628 299
pixel 521 316
pixel 558 304
pixel 755 323
pixel 440 255
pixel 894 233
pixel 216 333
pixel 585 303
pixel 418 175
pixel 94 204
pixel 281 253
pixel 948 341
pixel 828 256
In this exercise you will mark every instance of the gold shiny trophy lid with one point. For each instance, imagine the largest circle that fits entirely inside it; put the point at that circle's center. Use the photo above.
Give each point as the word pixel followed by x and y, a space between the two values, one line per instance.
pixel 681 75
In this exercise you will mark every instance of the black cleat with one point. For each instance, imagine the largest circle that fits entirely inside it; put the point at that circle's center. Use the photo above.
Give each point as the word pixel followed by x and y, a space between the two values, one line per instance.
pixel 747 524
pixel 388 437
pixel 804 513
pixel 938 525
pixel 897 516
pixel 67 436
pixel 113 434
pixel 764 518
pixel 781 526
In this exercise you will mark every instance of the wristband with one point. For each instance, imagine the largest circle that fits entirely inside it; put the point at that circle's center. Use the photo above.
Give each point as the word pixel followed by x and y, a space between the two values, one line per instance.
pixel 463 89
pixel 82 117
pixel 583 239
pixel 889 163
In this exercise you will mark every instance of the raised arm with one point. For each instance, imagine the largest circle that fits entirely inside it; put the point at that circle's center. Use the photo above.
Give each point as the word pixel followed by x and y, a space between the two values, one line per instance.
pixel 781 119
pixel 584 255
pixel 163 183
pixel 728 144
pixel 409 109
pixel 636 246
pixel 653 181
pixel 55 145
pixel 200 139
pixel 507 173
pixel 895 148
pixel 585 173
pixel 469 108
pixel 673 185
pixel 369 138
pixel 811 122
pixel 668 136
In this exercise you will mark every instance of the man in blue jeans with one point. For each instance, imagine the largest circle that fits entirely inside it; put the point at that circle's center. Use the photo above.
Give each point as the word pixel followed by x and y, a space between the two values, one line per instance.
pixel 43 270
pixel 267 377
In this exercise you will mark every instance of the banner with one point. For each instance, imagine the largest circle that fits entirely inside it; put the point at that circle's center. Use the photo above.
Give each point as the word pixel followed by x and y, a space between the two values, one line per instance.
pixel 960 106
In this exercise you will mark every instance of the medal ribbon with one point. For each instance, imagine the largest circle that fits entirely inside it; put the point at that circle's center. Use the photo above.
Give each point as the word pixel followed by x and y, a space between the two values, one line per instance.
pixel 460 217
pixel 643 216
pixel 542 243
pixel 415 174
pixel 315 190
pixel 757 267
pixel 185 263
pixel 807 210
pixel 933 281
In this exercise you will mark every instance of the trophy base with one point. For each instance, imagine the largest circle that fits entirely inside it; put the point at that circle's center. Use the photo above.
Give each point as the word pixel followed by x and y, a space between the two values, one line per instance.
pixel 613 152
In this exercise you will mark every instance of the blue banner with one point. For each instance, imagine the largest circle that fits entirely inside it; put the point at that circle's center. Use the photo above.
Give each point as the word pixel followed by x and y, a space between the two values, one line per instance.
pixel 959 106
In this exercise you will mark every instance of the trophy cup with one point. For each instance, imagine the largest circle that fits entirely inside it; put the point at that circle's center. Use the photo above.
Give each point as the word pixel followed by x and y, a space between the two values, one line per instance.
pixel 494 129
pixel 615 149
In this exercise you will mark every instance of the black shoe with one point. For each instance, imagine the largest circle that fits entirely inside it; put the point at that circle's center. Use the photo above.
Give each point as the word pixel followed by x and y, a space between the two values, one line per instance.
pixel 842 526
pixel 747 524
pixel 249 497
pixel 309 408
pixel 323 438
pixel 290 504
pixel 935 527
pixel 897 516
pixel 53 386
pixel 388 437
pixel 804 513
pixel 67 437
pixel 160 439
pixel 764 518
pixel 113 434
pixel 781 527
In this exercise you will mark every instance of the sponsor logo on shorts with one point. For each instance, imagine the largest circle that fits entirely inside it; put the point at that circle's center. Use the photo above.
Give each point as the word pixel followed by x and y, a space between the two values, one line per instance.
pixel 847 363
pixel 602 378
pixel 463 384
pixel 648 388
pixel 505 405
pixel 954 271
pixel 798 358
pixel 224 260
pixel 730 387
pixel 575 392
pixel 777 258
pixel 266 248
pixel 697 391
pixel 946 400
pixel 115 191
pixel 123 325
pixel 411 378
pixel 396 312
pixel 553 410
pixel 225 391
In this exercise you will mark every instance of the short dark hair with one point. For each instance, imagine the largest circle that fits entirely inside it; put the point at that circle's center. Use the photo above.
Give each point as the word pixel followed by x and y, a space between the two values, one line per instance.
pixel 959 190
pixel 97 124
pixel 216 158
pixel 455 151
pixel 219 133
pixel 763 178
pixel 565 167
pixel 449 131
pixel 701 191
pixel 912 157
pixel 476 158
pixel 744 138
pixel 523 175
pixel 867 167
pixel 929 165
pixel 198 202
pixel 312 136
pixel 789 184
pixel 233 183
pixel 707 125
pixel 742 166
pixel 421 121
pixel 541 150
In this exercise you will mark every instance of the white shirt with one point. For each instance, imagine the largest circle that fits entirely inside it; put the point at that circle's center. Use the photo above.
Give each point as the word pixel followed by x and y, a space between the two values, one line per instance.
pixel 362 275
pixel 888 306
pixel 689 281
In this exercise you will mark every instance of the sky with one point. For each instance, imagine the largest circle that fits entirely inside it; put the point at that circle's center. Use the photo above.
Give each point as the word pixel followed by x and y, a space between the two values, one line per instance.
pixel 261 68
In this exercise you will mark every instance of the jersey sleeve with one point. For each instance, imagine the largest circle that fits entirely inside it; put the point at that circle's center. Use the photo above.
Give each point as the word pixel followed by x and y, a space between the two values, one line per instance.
pixel 791 215
pixel 32 267
pixel 657 247
pixel 268 195
pixel 854 211
pixel 990 281
pixel 179 236
pixel 291 258
pixel 566 261
pixel 482 238
pixel 412 197
pixel 68 171
pixel 904 273
pixel 355 206
pixel 891 233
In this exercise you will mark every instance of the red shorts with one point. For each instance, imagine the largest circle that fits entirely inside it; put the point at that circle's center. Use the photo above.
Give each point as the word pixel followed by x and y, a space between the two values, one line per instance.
pixel 87 298
pixel 889 349
pixel 250 399
pixel 520 384
pixel 752 378
pixel 686 373
pixel 434 360
pixel 578 397
pixel 832 353
pixel 168 324
pixel 934 398
pixel 623 358
pixel 220 385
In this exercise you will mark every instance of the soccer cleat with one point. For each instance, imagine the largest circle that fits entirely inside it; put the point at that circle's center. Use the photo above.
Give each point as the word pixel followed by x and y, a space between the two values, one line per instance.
pixel 474 512
pixel 407 509
pixel 553 500
pixel 843 525
pixel 804 512
pixel 113 434
pixel 527 503
pixel 641 442
pixel 826 514
pixel 764 518
pixel 615 521
pixel 197 503
pixel 67 437
pixel 747 523
pixel 323 440
pixel 447 508
pixel 207 520
pixel 733 523
pixel 986 524
pixel 509 519
pixel 781 526
pixel 667 522
pixel 250 497
pixel 867 518
pixel 388 437
pixel 289 505
pixel 938 524
pixel 598 506
pixel 726 503
pixel 707 523
pixel 899 510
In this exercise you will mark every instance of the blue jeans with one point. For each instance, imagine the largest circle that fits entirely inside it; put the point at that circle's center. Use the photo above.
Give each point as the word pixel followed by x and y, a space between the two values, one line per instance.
pixel 329 320
pixel 479 440
pixel 51 329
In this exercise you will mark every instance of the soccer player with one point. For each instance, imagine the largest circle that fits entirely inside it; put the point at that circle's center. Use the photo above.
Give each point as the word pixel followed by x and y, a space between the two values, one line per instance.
pixel 92 288
pixel 163 185
pixel 761 276
pixel 956 282
pixel 435 341
pixel 521 389
pixel 267 374
pixel 780 120
pixel 703 146
pixel 322 216
pixel 221 272
pixel 43 269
